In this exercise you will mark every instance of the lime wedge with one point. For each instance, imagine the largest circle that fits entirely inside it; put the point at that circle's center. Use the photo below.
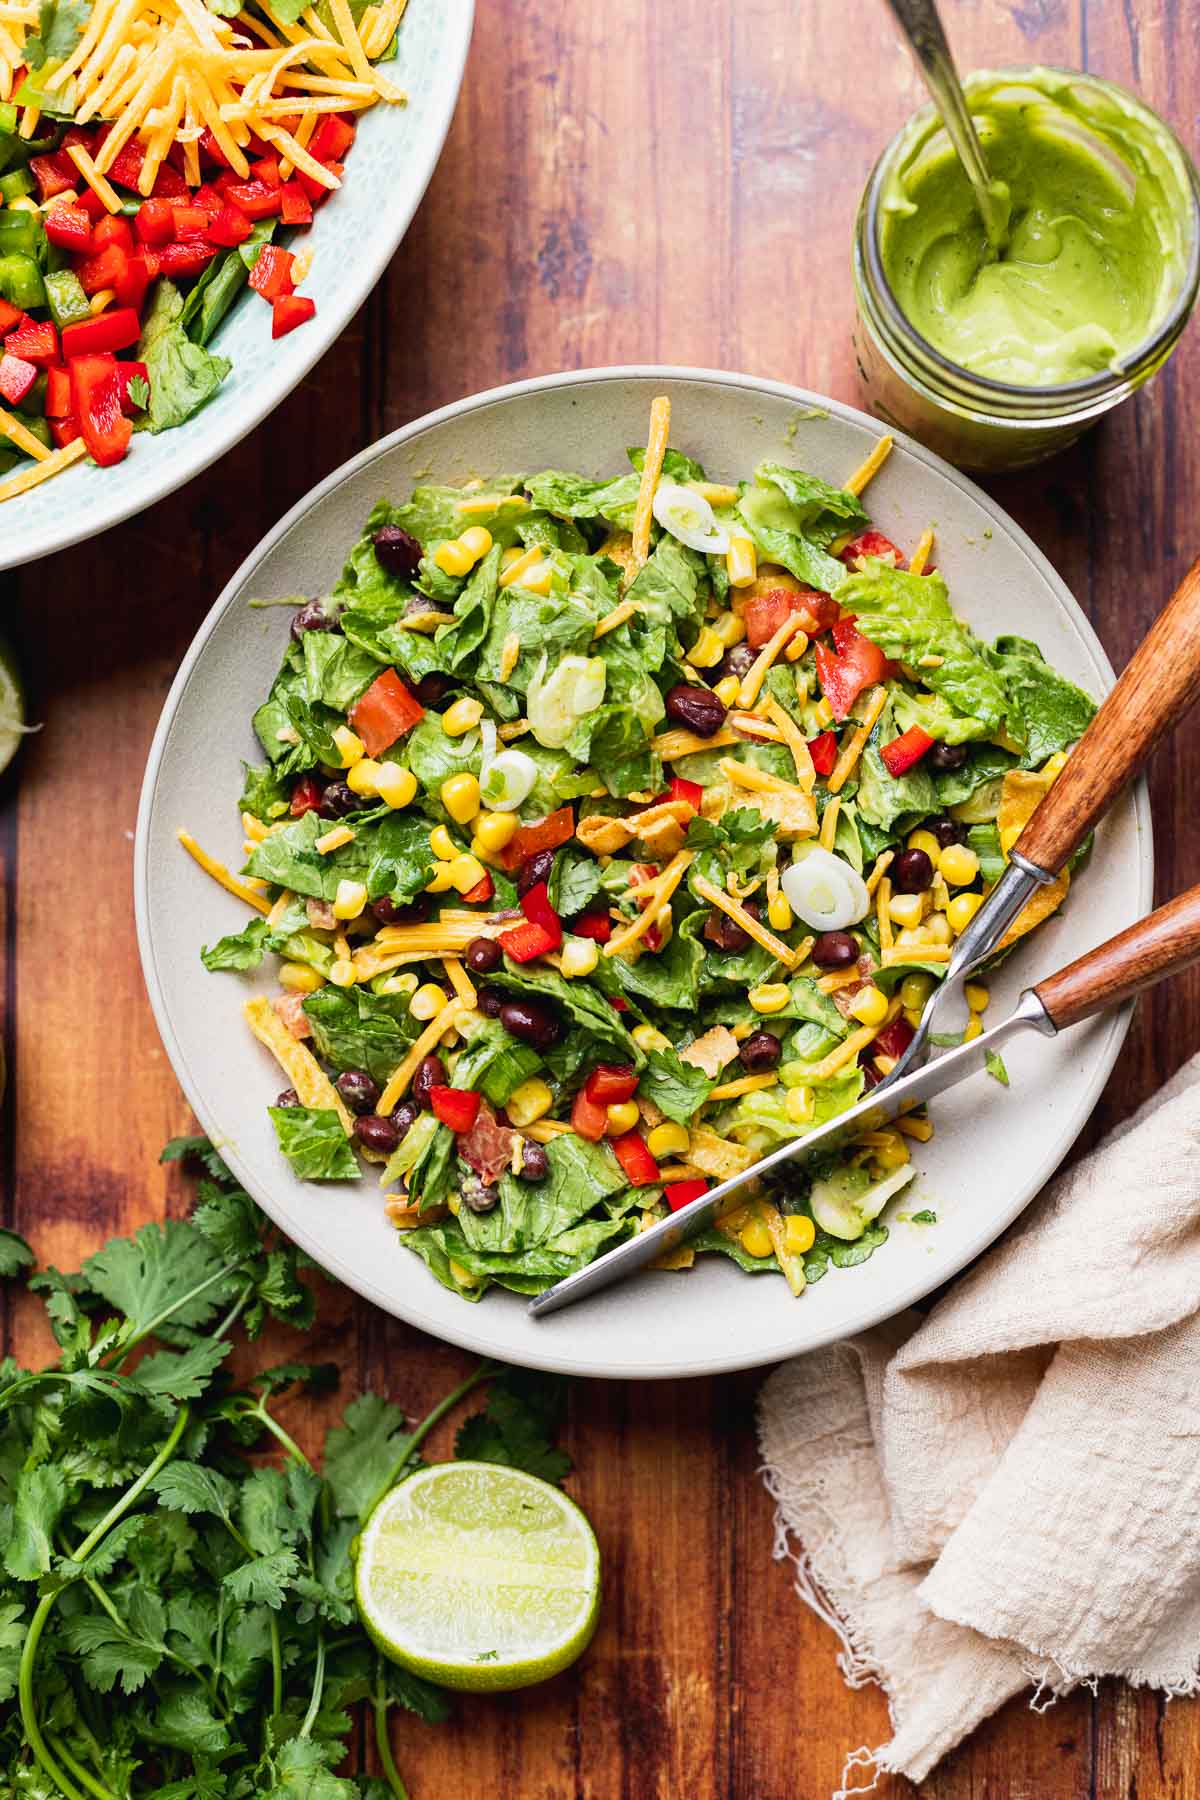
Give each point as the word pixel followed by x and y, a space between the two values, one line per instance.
pixel 12 705
pixel 479 1576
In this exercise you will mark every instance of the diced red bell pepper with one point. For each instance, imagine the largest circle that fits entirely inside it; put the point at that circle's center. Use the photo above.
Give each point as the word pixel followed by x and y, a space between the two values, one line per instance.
pixel 75 137
pixel 763 615
pixel 191 257
pixel 332 139
pixel 131 286
pixel 210 148
pixel 823 749
pixel 10 317
pixel 169 184
pixel 871 543
pixel 482 892
pixel 317 192
pixel 190 221
pixel 690 792
pixel 126 168
pixel 113 231
pixel 682 1193
pixel 115 329
pixel 905 751
pixel 610 1083
pixel 103 270
pixel 128 372
pixel 207 198
pixel 295 205
pixel 64 432
pixel 51 176
pixel 384 713
pixel 155 222
pixel 525 942
pixel 96 403
pixel 271 275
pixel 16 377
pixel 70 228
pixel 254 198
pixel 894 1039
pixel 537 909
pixel 640 1168
pixel 595 925
pixel 843 677
pixel 58 392
pixel 266 170
pixel 289 311
pixel 541 834
pixel 91 204
pixel 230 228
pixel 652 938
pixel 35 341
pixel 306 796
pixel 617 1004
pixel 587 1119
pixel 456 1107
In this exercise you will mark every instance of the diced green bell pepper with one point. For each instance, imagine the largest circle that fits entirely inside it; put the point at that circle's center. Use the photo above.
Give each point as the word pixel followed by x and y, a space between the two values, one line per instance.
pixel 20 280
pixel 67 300
pixel 16 185
pixel 21 232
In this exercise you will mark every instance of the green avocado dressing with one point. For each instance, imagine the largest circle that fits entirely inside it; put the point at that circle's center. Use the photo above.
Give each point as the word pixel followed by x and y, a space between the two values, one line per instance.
pixel 1099 231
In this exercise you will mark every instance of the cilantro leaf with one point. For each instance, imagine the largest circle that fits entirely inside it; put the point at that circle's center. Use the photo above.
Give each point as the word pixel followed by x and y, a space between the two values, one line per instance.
pixel 110 1654
pixel 12 1638
pixel 416 1694
pixel 363 1454
pixel 516 1425
pixel 165 1271
pixel 184 1375
pixel 187 1488
pixel 15 1254
pixel 41 1498
pixel 263 1580
pixel 183 1149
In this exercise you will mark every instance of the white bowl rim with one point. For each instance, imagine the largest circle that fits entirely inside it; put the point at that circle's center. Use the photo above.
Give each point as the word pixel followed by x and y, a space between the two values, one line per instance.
pixel 557 1357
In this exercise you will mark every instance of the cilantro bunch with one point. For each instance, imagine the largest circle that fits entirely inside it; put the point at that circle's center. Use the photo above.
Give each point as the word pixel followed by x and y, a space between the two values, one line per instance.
pixel 175 1619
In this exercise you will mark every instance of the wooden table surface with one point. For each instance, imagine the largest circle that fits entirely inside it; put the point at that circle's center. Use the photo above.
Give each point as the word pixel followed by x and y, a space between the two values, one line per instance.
pixel 622 183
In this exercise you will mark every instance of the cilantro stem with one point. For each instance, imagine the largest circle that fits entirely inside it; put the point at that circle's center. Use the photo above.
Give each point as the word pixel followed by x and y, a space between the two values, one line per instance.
pixel 276 1670
pixel 181 1662
pixel 80 1773
pixel 281 1436
pixel 383 1739
pixel 415 1437
pixel 177 1305
pixel 314 1704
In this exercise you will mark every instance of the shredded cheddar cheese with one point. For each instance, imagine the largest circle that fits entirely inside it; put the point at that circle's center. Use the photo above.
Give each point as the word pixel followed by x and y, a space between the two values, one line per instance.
pixel 882 864
pixel 749 924
pixel 22 437
pixel 745 1084
pixel 757 673
pixel 850 1048
pixel 24 479
pixel 428 1041
pixel 242 890
pixel 829 823
pixel 672 746
pixel 847 762
pixel 656 449
pixel 920 555
pixel 618 616
pixel 871 465
pixel 660 890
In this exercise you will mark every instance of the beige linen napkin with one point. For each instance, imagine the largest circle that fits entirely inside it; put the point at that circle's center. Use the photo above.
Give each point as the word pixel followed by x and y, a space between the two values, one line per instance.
pixel 1007 1492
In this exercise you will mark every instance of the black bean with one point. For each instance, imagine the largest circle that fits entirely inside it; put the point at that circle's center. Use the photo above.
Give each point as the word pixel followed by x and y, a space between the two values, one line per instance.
pixel 759 1052
pixel 947 831
pixel 739 661
pixel 535 1164
pixel 405 1117
pixel 338 800
pixel 358 1090
pixel 477 1195
pixel 375 1133
pixel 289 1097
pixel 490 1003
pixel 535 868
pixel 397 551
pixel 430 1073
pixel 483 956
pixel 312 617
pixel 388 913
pixel 834 950
pixel 531 1021
pixel 433 687
pixel 947 757
pixel 726 933
pixel 696 708
pixel 911 872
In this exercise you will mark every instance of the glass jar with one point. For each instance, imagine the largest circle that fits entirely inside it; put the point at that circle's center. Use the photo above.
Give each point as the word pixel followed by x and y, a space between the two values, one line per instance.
pixel 971 420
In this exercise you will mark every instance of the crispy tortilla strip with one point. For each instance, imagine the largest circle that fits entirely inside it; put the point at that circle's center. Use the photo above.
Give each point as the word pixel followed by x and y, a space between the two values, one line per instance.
pixel 1020 796
pixel 603 835
pixel 712 1051
pixel 313 1087
pixel 715 1155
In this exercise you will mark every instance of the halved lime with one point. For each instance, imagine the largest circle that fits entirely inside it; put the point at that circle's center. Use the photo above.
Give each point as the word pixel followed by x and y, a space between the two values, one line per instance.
pixel 479 1576
pixel 12 705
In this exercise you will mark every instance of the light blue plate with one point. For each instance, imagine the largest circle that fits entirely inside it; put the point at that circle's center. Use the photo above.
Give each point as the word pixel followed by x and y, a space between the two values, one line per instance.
pixel 355 236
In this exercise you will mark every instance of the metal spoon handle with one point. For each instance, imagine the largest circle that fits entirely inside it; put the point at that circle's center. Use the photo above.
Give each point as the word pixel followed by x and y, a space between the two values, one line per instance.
pixel 921 25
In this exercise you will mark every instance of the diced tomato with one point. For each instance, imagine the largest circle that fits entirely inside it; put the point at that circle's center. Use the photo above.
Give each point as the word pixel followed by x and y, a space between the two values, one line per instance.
pixel 140 271
pixel 317 192
pixel 96 403
pixel 104 270
pixel 190 221
pixel 482 892
pixel 271 275
pixel 35 341
pixel 191 257
pixel 542 834
pixel 682 1193
pixel 587 1119
pixel 894 1039
pixel 229 228
pixel 535 904
pixel 58 392
pixel 113 231
pixel 640 1168
pixel 823 749
pixel 115 329
pixel 843 677
pixel 254 198
pixel 289 311
pixel 295 205
pixel 525 942
pixel 306 796
pixel 266 170
pixel 155 222
pixel 126 166
pixel 764 614
pixel 903 752
pixel 332 139
pixel 51 177
pixel 690 792
pixel 596 925
pixel 871 543
pixel 641 873
pixel 456 1107
pixel 609 1083
pixel 16 377
pixel 169 184
pixel 384 713
pixel 10 317
pixel 128 372
pixel 70 228
pixel 64 432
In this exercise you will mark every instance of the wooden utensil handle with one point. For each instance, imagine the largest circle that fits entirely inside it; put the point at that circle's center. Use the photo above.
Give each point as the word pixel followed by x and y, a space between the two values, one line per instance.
pixel 1156 688
pixel 1157 946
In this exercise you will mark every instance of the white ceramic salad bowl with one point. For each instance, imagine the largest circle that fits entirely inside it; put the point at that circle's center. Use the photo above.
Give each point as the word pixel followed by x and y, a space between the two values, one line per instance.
pixel 353 239
pixel 993 1148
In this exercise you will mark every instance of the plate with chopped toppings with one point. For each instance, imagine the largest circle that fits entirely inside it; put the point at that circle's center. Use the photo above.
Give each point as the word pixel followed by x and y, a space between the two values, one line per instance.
pixel 598 820
pixel 194 201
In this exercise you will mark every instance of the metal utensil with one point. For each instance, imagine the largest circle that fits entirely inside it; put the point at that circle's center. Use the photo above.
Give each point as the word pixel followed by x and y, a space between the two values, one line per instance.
pixel 921 25
pixel 1157 946
pixel 1156 688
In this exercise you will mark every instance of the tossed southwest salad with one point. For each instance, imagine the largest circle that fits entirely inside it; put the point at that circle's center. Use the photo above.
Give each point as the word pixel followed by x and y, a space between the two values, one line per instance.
pixel 610 833
pixel 150 153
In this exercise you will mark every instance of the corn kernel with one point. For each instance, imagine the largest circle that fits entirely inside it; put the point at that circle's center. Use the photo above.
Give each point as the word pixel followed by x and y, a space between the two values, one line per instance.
pixel 925 840
pixel 668 1139
pixel 350 899
pixel 462 1276
pixel 755 1239
pixel 823 713
pixel 892 1151
pixel 729 628
pixel 516 562
pixel 465 872
pixel 707 650
pixel 937 926
pixel 532 1100
pixel 1054 764
pixel 405 982
pixel 395 786
pixel 727 690
pixel 958 865
pixel 300 978
pixel 799 1105
pixel 439 882
pixel 362 777
pixel 333 840
pixel 462 716
pixel 779 913
pixel 869 1006
pixel 973 1028
pixel 741 561
pixel 476 541
pixel 101 301
pixel 906 909
pixel 799 1234
pixel 913 1016
pixel 648 1037
pixel 350 746
pixel 538 579
pixel 496 829
pixel 512 555
pixel 343 974
pixel 442 844
pixel 976 996
pixel 770 997
pixel 579 957
pixel 428 1001
pixel 460 797
pixel 621 1117
pixel 452 558
pixel 962 910
pixel 915 991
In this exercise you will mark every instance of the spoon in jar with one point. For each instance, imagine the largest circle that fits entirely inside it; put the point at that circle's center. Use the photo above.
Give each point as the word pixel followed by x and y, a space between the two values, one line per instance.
pixel 922 27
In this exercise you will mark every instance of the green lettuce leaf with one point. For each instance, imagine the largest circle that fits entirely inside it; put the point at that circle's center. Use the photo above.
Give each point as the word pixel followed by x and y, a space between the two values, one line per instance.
pixel 1053 712
pixel 314 1143
pixel 263 794
pixel 182 375
pixel 355 1029
pixel 240 950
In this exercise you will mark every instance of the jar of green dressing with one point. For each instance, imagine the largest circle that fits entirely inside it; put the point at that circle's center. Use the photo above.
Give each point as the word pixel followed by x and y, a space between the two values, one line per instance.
pixel 996 361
